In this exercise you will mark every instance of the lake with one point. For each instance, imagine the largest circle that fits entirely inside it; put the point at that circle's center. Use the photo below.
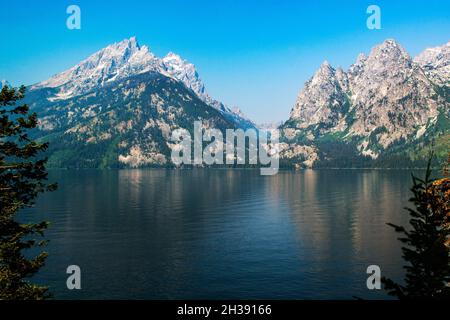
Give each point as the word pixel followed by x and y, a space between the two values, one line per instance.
pixel 222 234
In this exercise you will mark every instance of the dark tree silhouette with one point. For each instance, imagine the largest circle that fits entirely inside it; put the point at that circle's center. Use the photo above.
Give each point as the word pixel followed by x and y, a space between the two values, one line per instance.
pixel 22 177
pixel 427 246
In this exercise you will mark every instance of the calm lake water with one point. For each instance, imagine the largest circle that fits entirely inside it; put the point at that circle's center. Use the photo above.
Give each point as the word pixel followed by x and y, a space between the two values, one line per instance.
pixel 228 234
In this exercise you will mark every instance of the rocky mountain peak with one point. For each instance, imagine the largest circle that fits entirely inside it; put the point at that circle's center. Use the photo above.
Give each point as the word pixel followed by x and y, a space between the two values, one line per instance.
pixel 171 56
pixel 323 75
pixel 389 46
pixel 342 79
pixel 326 65
pixel 184 71
pixel 383 98
pixel 436 63
pixel 4 83
pixel 387 56
pixel 126 59
pixel 356 68
pixel 123 48
pixel 322 99
pixel 133 42
pixel 325 69
pixel 434 57
pixel 390 94
pixel 361 59
pixel 116 61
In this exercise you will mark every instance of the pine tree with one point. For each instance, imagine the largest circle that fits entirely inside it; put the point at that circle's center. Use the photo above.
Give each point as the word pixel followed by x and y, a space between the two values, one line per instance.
pixel 427 242
pixel 22 177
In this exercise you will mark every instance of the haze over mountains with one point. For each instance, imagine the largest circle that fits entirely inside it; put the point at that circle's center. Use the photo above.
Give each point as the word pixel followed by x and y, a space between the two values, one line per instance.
pixel 118 107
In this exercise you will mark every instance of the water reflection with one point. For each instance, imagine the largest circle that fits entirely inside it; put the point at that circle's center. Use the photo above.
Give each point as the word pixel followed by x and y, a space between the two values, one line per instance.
pixel 222 233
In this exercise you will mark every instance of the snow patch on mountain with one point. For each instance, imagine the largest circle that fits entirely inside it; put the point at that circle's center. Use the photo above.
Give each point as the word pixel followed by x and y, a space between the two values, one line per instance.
pixel 4 83
pixel 116 61
pixel 436 63
pixel 381 99
pixel 124 59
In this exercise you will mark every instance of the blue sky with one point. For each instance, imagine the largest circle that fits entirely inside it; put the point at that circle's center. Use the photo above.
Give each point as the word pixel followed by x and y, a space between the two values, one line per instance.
pixel 252 54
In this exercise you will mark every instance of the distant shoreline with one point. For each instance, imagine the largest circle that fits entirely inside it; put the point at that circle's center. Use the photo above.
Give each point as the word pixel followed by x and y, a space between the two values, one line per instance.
pixel 224 168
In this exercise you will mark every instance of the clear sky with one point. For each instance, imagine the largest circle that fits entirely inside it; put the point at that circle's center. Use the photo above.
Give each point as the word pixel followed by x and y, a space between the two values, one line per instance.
pixel 252 54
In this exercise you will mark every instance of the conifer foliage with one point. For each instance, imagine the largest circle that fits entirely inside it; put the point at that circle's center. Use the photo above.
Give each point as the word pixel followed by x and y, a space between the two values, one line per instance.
pixel 22 177
pixel 427 245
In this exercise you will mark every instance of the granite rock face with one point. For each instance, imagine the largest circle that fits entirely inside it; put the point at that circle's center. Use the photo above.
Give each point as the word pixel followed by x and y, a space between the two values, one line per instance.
pixel 383 100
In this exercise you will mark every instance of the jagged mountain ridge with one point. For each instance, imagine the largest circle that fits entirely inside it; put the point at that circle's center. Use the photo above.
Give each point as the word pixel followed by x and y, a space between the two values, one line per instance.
pixel 385 106
pixel 124 59
pixel 436 63
pixel 126 123
pixel 4 83
pixel 383 100
pixel 118 108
